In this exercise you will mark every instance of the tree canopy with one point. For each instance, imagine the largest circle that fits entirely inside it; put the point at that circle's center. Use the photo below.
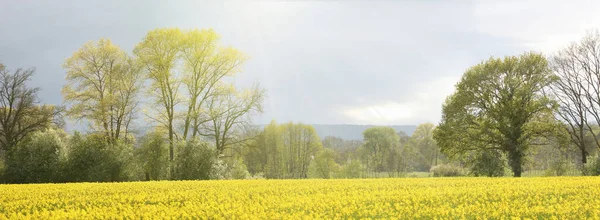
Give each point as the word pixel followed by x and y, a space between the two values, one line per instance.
pixel 499 104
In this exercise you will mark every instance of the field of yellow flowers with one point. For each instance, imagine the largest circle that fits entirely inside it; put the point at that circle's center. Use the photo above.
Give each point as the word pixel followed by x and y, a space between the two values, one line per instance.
pixel 410 198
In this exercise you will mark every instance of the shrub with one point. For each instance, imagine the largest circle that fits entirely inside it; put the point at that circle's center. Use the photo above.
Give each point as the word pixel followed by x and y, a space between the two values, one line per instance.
pixel 38 159
pixel 560 167
pixel 153 156
pixel 238 170
pixel 592 167
pixel 489 163
pixel 323 164
pixel 354 169
pixel 194 161
pixel 446 170
pixel 92 159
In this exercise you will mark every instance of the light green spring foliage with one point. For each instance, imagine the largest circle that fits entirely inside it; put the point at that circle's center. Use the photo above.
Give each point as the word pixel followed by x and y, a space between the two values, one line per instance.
pixel 102 87
pixel 289 150
pixel 499 105
pixel 158 53
pixel 206 65
pixel 323 165
pixel 188 69
pixel 423 142
pixel 379 143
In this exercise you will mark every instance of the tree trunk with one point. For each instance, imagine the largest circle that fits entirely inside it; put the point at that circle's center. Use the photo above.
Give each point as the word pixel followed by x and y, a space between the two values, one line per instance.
pixel 171 152
pixel 584 155
pixel 515 160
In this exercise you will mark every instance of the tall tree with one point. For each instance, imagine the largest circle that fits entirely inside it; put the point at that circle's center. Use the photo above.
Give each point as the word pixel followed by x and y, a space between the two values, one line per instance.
pixel 102 86
pixel 289 149
pixel 379 142
pixel 206 63
pixel 578 90
pixel 498 104
pixel 20 111
pixel 158 53
pixel 228 115
pixel 422 140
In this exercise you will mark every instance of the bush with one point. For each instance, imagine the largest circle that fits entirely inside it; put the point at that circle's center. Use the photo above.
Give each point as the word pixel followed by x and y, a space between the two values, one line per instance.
pixel 353 170
pixel 238 170
pixel 38 159
pixel 153 156
pixel 323 164
pixel 489 163
pixel 592 167
pixel 446 170
pixel 92 159
pixel 560 167
pixel 194 161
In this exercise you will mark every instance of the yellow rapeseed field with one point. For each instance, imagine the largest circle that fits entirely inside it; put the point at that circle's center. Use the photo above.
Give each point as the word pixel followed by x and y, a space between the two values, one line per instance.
pixel 411 198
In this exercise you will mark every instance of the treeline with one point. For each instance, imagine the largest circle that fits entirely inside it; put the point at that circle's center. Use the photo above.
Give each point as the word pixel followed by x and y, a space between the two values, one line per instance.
pixel 508 116
pixel 186 80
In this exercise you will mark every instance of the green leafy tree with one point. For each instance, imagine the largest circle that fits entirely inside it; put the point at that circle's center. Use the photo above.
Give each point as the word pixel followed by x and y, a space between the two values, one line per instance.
pixel 206 64
pixel 102 87
pixel 352 170
pixel 323 165
pixel 489 163
pixel 499 105
pixel 158 54
pixel 289 149
pixel 428 151
pixel 379 142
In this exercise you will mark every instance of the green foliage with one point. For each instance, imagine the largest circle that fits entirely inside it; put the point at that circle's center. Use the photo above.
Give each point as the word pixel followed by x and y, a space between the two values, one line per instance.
pixel 194 161
pixel 446 170
pixel 352 170
pixel 592 167
pixel 489 163
pixel 92 158
pixel 323 165
pixel 499 104
pixel 345 149
pixel 238 170
pixel 289 149
pixel 102 87
pixel 428 153
pixel 561 167
pixel 379 144
pixel 153 156
pixel 38 159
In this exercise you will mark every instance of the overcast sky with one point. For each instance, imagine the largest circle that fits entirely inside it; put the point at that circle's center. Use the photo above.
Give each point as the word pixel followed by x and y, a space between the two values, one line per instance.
pixel 357 62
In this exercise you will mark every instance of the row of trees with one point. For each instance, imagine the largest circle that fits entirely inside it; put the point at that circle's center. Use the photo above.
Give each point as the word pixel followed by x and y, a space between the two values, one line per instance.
pixel 519 111
pixel 180 82
pixel 188 77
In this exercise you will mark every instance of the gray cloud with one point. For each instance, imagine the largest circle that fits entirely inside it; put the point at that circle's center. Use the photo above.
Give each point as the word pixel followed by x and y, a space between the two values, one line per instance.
pixel 321 62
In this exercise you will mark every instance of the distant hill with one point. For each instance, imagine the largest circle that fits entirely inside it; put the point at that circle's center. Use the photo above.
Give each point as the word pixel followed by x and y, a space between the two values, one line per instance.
pixel 354 132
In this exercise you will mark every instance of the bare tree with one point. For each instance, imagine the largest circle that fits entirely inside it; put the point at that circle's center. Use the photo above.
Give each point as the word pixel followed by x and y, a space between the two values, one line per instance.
pixel 20 113
pixel 578 90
